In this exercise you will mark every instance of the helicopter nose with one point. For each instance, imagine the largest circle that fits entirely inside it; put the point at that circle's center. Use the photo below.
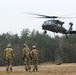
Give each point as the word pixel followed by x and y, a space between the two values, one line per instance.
pixel 43 26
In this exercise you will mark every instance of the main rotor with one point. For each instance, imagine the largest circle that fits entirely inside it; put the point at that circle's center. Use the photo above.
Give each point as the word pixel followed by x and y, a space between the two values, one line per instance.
pixel 46 16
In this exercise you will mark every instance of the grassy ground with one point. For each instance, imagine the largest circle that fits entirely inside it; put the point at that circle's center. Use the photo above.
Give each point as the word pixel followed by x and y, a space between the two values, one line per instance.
pixel 44 69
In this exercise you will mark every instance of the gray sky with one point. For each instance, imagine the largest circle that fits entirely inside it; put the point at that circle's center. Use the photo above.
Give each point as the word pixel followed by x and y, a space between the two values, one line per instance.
pixel 13 20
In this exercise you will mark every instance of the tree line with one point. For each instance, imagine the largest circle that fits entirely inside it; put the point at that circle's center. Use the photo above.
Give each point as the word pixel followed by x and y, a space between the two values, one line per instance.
pixel 50 49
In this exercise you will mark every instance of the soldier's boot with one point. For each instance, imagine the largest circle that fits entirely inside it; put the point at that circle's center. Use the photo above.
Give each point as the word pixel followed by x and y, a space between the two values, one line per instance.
pixel 7 70
pixel 26 69
pixel 10 69
pixel 36 69
pixel 29 69
pixel 33 70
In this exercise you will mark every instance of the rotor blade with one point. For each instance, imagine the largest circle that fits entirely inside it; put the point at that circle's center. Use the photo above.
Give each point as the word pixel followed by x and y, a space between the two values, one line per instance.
pixel 66 17
pixel 42 16
pixel 45 16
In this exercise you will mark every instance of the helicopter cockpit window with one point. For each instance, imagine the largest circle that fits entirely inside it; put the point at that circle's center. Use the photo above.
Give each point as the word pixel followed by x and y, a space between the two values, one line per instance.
pixel 52 22
pixel 45 23
pixel 49 22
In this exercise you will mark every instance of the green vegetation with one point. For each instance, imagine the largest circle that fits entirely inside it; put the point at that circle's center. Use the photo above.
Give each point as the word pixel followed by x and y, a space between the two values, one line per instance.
pixel 50 49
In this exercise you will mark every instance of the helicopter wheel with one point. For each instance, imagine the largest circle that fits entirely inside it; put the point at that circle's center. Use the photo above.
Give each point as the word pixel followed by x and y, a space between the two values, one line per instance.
pixel 45 31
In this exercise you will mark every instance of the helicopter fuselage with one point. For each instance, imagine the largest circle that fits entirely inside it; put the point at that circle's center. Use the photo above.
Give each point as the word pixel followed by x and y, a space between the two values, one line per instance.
pixel 54 26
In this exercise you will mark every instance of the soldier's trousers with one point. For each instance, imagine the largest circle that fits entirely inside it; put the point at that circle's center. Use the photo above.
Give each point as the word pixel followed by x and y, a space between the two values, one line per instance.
pixel 27 64
pixel 35 65
pixel 9 64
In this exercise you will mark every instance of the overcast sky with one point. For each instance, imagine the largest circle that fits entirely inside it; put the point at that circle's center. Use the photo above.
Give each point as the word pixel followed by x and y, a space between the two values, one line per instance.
pixel 13 20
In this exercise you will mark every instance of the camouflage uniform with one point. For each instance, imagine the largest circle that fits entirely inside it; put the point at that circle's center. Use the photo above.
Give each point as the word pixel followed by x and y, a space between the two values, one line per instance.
pixel 34 54
pixel 9 56
pixel 26 57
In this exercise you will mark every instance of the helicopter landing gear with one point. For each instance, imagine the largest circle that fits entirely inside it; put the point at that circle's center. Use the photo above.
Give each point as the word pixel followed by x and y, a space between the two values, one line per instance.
pixel 45 31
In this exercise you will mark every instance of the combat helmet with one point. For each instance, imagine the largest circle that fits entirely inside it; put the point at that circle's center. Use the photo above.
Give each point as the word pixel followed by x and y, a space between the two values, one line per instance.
pixel 33 46
pixel 24 45
pixel 9 45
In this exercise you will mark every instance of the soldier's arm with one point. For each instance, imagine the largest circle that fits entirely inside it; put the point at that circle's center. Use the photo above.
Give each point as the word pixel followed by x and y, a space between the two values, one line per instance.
pixel 32 53
pixel 23 54
pixel 13 55
pixel 12 52
pixel 29 51
pixel 4 53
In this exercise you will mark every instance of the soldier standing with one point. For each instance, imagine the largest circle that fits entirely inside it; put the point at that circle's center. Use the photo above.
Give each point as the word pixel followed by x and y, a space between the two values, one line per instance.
pixel 26 57
pixel 34 54
pixel 9 57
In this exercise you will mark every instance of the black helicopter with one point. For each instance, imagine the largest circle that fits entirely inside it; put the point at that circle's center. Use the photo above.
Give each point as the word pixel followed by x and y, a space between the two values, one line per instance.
pixel 55 25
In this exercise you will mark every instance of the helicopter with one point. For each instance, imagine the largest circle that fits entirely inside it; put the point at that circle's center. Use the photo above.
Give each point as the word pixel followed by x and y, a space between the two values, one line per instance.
pixel 55 25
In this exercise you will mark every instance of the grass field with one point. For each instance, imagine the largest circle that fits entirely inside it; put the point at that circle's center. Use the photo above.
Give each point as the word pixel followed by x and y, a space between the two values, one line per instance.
pixel 44 69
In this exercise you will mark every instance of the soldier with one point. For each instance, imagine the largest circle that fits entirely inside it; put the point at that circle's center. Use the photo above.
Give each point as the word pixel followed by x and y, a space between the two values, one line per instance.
pixel 26 57
pixel 34 54
pixel 9 57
